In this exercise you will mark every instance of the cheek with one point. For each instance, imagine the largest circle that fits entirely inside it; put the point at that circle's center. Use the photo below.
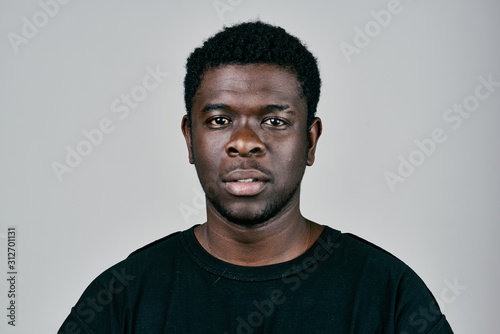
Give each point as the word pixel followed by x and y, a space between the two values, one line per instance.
pixel 290 158
pixel 208 152
pixel 297 149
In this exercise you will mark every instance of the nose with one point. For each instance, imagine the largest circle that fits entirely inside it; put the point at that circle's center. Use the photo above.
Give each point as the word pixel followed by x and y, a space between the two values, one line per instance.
pixel 245 142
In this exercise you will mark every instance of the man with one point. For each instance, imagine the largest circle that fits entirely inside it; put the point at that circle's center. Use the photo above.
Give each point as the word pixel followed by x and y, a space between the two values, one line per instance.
pixel 256 265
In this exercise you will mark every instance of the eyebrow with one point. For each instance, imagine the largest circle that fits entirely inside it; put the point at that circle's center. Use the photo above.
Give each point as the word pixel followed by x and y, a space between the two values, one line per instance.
pixel 270 107
pixel 211 107
pixel 278 107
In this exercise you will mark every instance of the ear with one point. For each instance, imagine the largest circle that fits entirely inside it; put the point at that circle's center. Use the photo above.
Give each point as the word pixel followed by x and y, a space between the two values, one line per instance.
pixel 314 133
pixel 186 131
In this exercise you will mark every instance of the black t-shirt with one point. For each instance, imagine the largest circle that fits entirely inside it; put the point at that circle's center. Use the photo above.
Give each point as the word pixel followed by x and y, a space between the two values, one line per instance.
pixel 342 284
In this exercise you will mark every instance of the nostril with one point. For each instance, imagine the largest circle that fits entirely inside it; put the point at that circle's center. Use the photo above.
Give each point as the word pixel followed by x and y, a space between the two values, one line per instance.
pixel 232 150
pixel 255 150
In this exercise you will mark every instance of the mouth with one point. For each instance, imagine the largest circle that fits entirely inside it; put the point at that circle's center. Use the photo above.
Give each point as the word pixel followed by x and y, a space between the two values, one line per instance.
pixel 246 187
pixel 245 182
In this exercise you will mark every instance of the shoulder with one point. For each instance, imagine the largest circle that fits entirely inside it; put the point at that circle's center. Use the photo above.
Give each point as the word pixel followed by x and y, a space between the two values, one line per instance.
pixel 359 250
pixel 156 245
pixel 378 274
pixel 107 299
pixel 147 261
pixel 147 265
pixel 366 262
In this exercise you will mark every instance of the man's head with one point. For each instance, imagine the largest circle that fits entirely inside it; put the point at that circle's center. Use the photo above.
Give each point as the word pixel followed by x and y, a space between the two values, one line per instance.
pixel 250 128
pixel 254 43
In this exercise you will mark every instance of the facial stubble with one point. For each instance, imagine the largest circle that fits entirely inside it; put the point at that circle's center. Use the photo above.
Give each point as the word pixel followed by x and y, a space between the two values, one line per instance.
pixel 272 209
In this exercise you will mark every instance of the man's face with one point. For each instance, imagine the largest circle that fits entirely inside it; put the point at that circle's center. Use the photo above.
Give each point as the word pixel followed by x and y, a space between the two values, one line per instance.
pixel 249 140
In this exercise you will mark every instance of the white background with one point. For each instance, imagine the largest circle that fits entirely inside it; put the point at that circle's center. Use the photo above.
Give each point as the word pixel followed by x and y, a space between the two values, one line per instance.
pixel 443 220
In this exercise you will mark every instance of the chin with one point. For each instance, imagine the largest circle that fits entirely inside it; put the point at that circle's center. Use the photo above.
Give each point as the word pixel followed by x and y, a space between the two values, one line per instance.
pixel 239 220
pixel 243 215
pixel 250 213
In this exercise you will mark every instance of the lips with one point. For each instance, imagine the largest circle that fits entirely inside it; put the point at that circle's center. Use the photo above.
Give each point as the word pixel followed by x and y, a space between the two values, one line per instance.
pixel 245 182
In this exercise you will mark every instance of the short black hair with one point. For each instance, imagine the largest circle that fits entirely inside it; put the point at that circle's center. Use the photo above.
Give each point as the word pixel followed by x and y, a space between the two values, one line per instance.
pixel 254 43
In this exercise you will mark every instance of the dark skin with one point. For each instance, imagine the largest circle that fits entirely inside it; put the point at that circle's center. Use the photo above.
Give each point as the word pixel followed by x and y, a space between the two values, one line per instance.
pixel 250 143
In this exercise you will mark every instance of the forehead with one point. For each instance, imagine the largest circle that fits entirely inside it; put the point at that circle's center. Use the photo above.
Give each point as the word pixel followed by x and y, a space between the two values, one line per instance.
pixel 252 82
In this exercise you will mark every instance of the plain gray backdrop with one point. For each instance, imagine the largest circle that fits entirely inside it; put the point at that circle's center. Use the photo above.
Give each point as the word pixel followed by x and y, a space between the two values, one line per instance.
pixel 392 91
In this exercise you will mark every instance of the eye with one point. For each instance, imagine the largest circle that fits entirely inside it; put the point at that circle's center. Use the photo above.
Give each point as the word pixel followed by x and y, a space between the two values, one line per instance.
pixel 275 122
pixel 219 121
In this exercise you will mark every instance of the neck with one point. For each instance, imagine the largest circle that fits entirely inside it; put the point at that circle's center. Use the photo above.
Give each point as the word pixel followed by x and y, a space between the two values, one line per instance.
pixel 278 240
